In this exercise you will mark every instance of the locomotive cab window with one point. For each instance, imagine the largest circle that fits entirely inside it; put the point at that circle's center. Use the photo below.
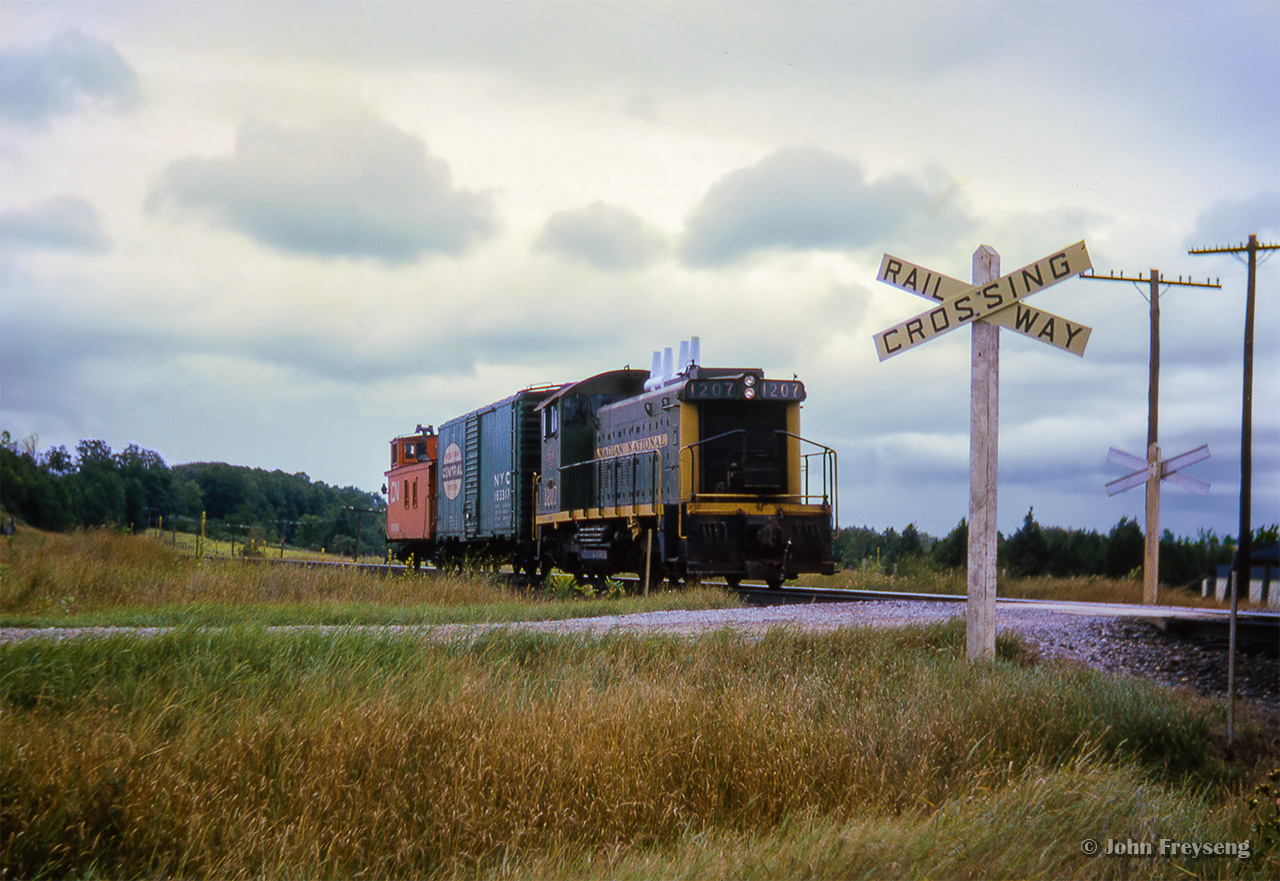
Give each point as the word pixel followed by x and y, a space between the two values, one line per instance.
pixel 550 421
pixel 744 448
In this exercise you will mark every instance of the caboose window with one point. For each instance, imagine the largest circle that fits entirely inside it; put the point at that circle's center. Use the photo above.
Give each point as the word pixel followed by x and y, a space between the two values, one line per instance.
pixel 415 492
pixel 406 495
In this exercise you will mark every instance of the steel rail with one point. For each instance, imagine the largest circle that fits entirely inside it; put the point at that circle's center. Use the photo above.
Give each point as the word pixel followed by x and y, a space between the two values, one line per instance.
pixel 1256 630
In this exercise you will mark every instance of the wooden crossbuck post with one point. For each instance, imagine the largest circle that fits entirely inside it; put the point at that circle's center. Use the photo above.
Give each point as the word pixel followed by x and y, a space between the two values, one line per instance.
pixel 984 443
pixel 1151 543
pixel 1150 472
pixel 990 302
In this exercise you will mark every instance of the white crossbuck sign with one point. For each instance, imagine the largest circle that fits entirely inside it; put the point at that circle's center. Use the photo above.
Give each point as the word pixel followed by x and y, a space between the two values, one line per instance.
pixel 999 302
pixel 992 302
pixel 1166 469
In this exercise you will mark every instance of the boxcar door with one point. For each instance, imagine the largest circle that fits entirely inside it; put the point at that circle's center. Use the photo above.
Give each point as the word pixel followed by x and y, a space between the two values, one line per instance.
pixel 495 469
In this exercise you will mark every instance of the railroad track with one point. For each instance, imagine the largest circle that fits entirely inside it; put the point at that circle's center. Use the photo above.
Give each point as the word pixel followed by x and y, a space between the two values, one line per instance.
pixel 1255 630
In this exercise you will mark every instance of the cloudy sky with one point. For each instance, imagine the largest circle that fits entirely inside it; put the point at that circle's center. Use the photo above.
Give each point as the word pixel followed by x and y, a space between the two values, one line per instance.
pixel 278 234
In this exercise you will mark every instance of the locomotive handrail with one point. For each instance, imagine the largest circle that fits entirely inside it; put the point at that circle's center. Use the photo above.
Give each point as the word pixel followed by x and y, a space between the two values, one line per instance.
pixel 829 475
pixel 829 462
pixel 693 471
pixel 828 455
pixel 799 498
pixel 654 483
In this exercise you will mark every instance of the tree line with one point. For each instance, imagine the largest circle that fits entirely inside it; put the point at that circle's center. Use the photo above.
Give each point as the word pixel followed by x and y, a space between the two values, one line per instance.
pixel 134 489
pixel 1036 550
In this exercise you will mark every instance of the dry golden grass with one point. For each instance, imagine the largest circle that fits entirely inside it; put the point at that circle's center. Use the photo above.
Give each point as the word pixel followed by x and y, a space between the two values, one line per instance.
pixel 250 755
pixel 105 577
pixel 240 753
pixel 1083 588
pixel 80 573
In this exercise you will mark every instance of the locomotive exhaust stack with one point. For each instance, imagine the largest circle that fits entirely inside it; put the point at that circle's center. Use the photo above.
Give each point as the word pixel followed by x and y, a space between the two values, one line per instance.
pixel 665 372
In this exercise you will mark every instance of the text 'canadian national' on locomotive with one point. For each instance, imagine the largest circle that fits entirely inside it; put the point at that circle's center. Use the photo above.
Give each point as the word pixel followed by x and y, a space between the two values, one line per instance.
pixel 680 473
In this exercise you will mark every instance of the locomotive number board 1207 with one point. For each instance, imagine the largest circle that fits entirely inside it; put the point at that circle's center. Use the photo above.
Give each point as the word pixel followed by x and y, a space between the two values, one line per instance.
pixel 743 388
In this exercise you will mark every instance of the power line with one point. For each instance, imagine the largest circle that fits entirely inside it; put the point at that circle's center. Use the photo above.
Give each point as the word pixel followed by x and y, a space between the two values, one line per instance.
pixel 1154 282
pixel 842 91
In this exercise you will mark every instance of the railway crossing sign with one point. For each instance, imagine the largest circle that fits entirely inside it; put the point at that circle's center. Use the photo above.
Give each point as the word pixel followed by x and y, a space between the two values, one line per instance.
pixel 1151 471
pixel 982 299
pixel 990 302
pixel 1020 318
pixel 1166 469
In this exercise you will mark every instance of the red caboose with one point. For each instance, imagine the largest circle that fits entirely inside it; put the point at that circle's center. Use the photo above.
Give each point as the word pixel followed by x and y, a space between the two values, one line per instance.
pixel 411 495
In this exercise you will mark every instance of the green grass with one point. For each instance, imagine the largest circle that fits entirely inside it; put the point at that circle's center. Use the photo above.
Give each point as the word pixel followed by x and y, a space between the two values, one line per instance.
pixel 355 613
pixel 237 754
pixel 189 545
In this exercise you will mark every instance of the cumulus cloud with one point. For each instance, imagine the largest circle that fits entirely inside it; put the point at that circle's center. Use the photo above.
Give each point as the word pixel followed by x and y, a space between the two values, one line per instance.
pixel 805 198
pixel 56 78
pixel 64 223
pixel 349 186
pixel 603 236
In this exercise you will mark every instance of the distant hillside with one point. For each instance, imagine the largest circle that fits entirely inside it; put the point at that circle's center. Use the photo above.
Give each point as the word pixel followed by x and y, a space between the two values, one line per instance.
pixel 134 488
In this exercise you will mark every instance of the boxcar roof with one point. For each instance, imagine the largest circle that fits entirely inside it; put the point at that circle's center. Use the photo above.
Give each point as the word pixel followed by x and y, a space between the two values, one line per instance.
pixel 625 380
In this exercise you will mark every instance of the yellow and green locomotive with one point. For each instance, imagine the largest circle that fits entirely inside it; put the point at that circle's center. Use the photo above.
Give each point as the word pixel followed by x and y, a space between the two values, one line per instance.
pixel 682 474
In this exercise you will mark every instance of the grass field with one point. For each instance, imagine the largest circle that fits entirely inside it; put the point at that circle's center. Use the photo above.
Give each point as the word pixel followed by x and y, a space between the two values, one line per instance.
pixel 189 545
pixel 102 577
pixel 1083 588
pixel 105 577
pixel 237 753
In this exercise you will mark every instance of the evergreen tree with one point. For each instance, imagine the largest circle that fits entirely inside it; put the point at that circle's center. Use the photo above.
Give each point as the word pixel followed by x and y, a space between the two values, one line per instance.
pixel 1026 552
pixel 1125 548
pixel 953 551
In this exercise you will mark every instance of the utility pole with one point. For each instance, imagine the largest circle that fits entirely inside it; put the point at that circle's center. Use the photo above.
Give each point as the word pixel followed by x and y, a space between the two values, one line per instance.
pixel 359 512
pixel 1243 568
pixel 1151 557
pixel 1246 423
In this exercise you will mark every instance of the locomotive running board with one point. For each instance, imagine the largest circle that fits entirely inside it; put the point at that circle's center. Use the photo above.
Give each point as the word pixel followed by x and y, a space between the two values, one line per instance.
pixel 755 506
pixel 608 513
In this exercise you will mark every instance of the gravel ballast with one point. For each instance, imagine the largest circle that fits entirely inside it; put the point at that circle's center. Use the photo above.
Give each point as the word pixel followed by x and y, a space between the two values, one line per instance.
pixel 1118 645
